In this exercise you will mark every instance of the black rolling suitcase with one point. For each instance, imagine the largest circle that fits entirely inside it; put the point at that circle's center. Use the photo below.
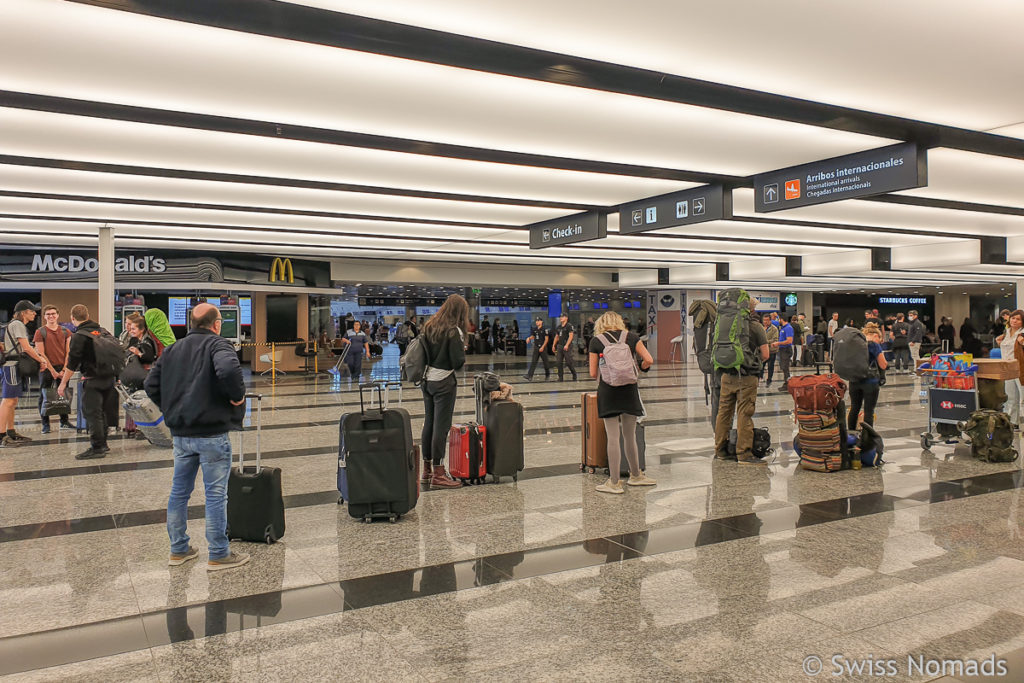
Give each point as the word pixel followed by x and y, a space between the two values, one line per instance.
pixel 255 502
pixel 520 347
pixel 504 428
pixel 378 466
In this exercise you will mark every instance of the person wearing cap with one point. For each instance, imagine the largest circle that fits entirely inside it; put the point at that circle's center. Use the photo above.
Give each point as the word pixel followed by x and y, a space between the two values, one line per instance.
pixel 16 344
pixel 540 339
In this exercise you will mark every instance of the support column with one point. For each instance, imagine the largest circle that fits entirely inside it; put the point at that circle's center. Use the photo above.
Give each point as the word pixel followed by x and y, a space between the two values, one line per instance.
pixel 105 276
pixel 1019 286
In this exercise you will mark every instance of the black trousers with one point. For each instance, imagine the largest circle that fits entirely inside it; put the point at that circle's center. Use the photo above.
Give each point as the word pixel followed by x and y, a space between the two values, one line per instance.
pixel 866 394
pixel 769 367
pixel 438 408
pixel 542 356
pixel 563 357
pixel 99 401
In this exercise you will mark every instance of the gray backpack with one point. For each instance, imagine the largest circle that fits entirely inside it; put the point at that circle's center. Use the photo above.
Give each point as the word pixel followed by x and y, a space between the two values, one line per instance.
pixel 850 354
pixel 617 366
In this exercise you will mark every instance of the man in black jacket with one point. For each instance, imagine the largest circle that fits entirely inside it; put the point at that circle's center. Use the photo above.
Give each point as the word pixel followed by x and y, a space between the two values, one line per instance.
pixel 99 398
pixel 197 382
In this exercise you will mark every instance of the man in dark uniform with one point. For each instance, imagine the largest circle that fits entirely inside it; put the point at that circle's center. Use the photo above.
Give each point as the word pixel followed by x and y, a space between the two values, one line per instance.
pixel 564 335
pixel 540 338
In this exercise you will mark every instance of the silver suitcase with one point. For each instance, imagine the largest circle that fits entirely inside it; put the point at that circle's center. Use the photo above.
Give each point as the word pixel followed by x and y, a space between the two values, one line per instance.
pixel 147 417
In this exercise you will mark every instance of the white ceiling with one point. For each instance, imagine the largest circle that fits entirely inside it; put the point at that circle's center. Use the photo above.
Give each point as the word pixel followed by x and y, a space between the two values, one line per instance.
pixel 272 192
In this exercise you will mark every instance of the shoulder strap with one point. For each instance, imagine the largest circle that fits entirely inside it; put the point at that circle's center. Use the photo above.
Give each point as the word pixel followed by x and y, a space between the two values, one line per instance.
pixel 623 336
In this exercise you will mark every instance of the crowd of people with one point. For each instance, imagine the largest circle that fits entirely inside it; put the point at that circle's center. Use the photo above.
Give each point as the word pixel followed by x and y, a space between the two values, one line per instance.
pixel 198 385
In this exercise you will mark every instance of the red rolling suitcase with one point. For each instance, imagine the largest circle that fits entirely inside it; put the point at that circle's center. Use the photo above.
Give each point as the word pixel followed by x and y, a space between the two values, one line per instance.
pixel 467 452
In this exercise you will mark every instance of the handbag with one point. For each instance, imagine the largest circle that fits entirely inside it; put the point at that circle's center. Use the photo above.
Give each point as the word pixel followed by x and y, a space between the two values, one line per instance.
pixel 27 365
pixel 55 404
pixel 134 373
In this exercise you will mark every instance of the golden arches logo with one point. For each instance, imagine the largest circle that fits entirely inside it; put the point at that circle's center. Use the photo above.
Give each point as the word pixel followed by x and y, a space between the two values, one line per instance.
pixel 278 269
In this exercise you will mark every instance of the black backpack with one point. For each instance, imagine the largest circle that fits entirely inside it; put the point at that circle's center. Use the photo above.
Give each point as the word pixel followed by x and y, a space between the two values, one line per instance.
pixel 850 354
pixel 110 356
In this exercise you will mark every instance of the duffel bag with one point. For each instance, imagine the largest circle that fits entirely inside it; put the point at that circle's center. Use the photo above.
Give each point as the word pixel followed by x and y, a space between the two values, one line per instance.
pixel 816 393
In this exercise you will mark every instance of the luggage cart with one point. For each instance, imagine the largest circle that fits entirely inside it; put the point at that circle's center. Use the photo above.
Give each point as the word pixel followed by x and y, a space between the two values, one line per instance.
pixel 952 397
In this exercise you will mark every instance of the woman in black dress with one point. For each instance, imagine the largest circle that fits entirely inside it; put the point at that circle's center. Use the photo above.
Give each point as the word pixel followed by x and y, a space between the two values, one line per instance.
pixel 619 406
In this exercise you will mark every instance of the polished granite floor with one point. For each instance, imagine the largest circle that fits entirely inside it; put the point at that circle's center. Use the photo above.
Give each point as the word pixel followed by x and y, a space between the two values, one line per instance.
pixel 720 573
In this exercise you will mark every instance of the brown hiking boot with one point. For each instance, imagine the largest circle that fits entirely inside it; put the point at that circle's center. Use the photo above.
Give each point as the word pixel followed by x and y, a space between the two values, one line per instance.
pixel 440 479
pixel 425 473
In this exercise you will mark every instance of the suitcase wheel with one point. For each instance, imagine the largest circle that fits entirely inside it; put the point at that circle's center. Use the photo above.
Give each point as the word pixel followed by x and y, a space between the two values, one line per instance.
pixel 341 501
pixel 269 537
pixel 393 519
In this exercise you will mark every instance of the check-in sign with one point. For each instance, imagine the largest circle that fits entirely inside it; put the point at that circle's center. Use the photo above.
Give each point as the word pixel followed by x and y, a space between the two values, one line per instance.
pixel 686 207
pixel 877 171
pixel 580 227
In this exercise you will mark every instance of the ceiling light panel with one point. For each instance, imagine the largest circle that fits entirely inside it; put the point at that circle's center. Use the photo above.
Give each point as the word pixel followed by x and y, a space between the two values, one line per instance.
pixel 173 215
pixel 799 235
pixel 116 185
pixel 72 50
pixel 755 45
pixel 60 136
pixel 880 214
pixel 970 177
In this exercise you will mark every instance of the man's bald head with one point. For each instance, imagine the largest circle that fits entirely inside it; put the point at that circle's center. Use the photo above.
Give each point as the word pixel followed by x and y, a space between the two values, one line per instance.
pixel 205 316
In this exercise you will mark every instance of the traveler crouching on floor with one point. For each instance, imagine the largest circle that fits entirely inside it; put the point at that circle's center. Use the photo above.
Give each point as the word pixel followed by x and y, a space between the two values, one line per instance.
pixel 618 403
pixel 865 392
pixel 444 336
pixel 197 384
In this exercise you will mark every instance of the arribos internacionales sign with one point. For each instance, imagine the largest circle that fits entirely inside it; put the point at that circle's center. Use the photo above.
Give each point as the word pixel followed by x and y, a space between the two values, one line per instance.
pixel 877 171
pixel 580 227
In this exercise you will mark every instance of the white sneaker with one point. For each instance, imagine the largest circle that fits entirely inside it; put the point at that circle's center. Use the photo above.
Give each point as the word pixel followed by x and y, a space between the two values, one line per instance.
pixel 642 480
pixel 609 487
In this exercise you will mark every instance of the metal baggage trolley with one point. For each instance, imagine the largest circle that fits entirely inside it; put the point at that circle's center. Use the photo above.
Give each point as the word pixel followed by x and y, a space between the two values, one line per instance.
pixel 952 397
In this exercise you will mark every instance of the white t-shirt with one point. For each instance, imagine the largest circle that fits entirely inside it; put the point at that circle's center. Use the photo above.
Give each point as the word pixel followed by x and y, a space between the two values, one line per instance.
pixel 833 325
pixel 1009 339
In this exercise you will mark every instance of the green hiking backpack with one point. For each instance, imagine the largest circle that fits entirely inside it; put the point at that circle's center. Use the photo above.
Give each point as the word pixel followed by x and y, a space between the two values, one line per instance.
pixel 731 349
pixel 991 434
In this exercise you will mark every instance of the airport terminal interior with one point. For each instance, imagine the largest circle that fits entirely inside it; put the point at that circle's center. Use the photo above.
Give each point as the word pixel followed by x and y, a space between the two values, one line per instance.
pixel 305 165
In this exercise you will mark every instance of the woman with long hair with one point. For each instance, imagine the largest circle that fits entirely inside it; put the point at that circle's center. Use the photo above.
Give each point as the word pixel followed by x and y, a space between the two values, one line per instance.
pixel 444 338
pixel 1008 342
pixel 619 406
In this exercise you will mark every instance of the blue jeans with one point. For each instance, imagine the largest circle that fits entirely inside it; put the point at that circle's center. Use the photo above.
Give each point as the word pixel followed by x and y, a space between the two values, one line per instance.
pixel 213 454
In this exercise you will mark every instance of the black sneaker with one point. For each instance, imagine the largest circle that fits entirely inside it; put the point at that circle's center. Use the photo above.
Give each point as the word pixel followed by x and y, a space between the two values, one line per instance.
pixel 93 453
pixel 64 424
pixel 15 436
pixel 528 378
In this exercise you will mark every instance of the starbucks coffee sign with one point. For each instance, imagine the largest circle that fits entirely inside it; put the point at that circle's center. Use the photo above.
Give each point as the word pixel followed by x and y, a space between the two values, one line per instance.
pixel 47 263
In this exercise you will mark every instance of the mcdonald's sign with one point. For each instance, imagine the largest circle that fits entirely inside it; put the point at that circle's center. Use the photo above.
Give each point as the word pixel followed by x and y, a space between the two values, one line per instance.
pixel 278 269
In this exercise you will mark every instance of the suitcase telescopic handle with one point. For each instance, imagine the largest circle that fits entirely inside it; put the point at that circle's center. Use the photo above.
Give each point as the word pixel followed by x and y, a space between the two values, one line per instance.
pixel 380 396
pixel 258 400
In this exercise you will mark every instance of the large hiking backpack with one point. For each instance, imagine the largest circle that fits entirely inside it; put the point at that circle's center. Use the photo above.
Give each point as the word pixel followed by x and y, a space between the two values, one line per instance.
pixel 850 354
pixel 991 434
pixel 110 355
pixel 617 365
pixel 731 350
pixel 704 313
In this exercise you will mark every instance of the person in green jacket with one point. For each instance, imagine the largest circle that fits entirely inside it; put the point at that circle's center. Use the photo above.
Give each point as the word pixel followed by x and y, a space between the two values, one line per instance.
pixel 156 322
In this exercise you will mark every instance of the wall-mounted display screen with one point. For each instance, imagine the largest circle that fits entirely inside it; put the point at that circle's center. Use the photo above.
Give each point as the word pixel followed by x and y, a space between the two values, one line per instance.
pixel 177 309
